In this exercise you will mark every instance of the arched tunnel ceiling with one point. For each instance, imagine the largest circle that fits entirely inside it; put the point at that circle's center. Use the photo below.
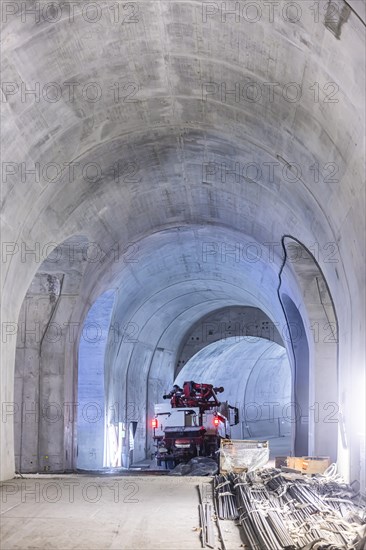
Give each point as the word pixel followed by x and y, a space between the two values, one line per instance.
pixel 173 285
pixel 169 132
pixel 251 371
pixel 234 321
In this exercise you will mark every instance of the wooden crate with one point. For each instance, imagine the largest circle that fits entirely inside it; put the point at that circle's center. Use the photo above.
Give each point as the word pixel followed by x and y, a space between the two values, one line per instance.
pixel 309 464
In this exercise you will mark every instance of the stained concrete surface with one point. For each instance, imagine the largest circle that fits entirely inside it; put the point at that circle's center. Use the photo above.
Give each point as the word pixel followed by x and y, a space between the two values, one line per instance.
pixel 145 513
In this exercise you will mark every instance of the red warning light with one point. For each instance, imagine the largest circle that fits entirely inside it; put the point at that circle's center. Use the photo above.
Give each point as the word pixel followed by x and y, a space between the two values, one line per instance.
pixel 154 423
pixel 216 421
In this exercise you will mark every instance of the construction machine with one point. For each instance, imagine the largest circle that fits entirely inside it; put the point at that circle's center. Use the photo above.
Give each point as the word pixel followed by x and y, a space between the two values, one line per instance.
pixel 191 424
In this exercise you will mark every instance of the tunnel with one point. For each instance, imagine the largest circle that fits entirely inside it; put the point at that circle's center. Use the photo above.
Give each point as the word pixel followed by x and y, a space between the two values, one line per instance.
pixel 257 378
pixel 183 198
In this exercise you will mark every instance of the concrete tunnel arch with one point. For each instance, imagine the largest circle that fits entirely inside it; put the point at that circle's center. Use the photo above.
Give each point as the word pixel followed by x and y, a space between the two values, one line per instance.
pixel 224 323
pixel 163 357
pixel 314 352
pixel 256 376
pixel 171 135
pixel 166 317
pixel 163 322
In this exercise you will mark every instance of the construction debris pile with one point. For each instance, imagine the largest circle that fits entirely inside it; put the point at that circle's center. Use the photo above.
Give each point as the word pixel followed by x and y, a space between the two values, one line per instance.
pixel 198 466
pixel 278 510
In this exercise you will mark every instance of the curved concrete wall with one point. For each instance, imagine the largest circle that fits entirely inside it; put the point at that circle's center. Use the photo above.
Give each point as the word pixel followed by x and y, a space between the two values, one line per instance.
pixel 256 376
pixel 165 151
pixel 90 396
pixel 225 323
pixel 172 286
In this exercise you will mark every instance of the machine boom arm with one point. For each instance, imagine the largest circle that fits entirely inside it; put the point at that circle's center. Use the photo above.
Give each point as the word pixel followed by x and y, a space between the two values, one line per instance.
pixel 195 395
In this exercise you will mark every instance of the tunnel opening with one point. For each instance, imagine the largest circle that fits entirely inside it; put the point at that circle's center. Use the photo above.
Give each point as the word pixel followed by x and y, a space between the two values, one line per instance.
pixel 182 318
pixel 154 342
pixel 230 321
pixel 256 377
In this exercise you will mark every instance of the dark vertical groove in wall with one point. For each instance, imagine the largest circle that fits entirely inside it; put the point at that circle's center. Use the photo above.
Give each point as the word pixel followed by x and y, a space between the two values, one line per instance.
pixel 283 307
pixel 355 13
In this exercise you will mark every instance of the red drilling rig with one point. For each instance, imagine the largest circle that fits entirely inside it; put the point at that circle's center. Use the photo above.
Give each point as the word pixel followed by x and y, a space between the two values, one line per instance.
pixel 192 424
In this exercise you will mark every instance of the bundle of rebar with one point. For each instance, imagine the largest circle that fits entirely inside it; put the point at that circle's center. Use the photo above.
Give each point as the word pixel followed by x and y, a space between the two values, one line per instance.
pixel 262 523
pixel 282 511
pixel 225 497
pixel 312 513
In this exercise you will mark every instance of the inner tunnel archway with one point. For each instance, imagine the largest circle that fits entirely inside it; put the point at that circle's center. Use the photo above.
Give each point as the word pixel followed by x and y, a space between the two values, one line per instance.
pixel 256 376
pixel 149 334
pixel 313 331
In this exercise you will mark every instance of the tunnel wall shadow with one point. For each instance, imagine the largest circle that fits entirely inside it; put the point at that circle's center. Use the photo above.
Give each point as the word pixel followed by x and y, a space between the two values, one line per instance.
pixel 300 372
